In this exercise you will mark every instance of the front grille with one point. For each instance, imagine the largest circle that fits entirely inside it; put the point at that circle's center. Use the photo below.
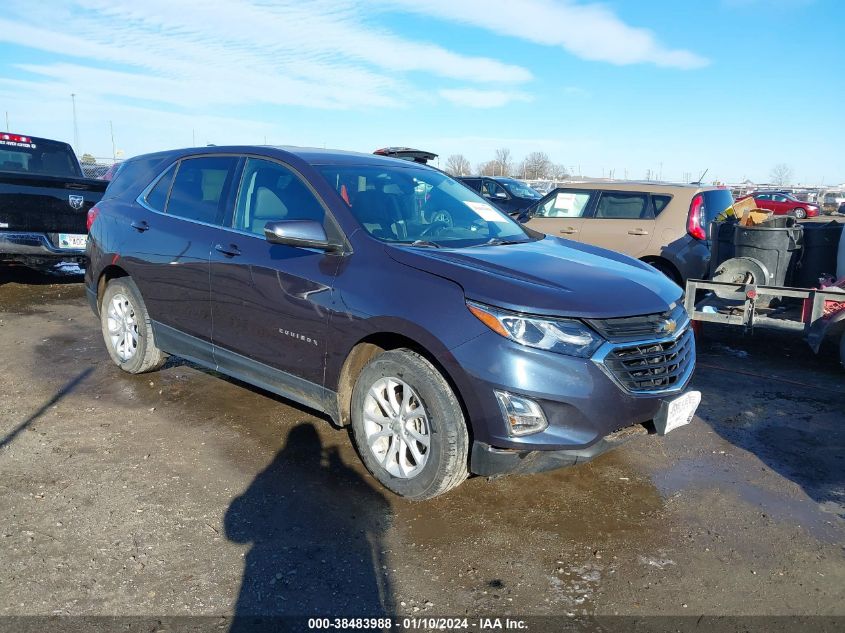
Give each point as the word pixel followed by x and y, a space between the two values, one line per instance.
pixel 652 366
pixel 637 328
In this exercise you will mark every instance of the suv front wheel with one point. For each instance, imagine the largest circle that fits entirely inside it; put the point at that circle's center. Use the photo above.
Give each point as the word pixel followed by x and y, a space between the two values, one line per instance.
pixel 408 425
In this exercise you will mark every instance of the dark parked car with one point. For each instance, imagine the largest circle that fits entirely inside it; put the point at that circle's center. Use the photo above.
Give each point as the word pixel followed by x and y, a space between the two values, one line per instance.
pixel 508 194
pixel 44 202
pixel 389 296
pixel 783 203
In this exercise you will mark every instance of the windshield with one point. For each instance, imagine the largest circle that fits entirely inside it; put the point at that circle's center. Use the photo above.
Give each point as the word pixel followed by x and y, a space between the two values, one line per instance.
pixel 520 189
pixel 415 204
pixel 38 158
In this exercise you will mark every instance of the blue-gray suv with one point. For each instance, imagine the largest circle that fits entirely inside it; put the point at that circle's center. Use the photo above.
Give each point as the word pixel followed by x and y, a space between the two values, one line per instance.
pixel 450 338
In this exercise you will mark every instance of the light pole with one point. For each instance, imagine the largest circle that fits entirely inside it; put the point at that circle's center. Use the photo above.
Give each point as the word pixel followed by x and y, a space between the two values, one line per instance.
pixel 75 126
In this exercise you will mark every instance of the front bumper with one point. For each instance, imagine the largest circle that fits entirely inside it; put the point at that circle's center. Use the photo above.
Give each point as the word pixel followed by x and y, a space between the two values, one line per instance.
pixel 587 410
pixel 488 461
pixel 35 249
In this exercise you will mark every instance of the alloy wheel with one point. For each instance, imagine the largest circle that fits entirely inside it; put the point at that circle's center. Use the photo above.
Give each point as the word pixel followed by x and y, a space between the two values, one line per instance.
pixel 397 427
pixel 123 327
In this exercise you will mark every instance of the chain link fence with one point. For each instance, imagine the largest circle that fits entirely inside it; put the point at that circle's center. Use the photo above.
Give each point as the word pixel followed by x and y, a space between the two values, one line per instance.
pixel 94 167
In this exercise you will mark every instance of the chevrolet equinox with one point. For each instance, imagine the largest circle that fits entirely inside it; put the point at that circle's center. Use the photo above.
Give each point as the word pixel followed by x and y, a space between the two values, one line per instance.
pixel 450 338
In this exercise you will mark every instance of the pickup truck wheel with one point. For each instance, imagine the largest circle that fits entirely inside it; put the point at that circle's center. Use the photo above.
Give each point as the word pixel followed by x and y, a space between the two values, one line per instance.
pixel 126 328
pixel 408 425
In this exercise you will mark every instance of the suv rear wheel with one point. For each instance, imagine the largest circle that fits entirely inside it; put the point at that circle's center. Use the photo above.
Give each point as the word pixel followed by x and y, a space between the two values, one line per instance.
pixel 408 425
pixel 126 328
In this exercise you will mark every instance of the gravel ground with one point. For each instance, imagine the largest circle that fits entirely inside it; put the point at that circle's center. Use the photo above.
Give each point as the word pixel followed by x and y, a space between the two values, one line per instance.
pixel 185 493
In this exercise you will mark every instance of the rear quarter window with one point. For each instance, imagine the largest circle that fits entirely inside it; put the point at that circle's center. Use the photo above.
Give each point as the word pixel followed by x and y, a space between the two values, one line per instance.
pixel 134 175
pixel 472 183
pixel 660 202
pixel 157 197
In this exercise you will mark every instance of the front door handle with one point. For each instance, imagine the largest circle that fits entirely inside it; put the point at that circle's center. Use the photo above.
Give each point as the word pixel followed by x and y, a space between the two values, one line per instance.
pixel 638 232
pixel 231 250
pixel 569 230
pixel 140 226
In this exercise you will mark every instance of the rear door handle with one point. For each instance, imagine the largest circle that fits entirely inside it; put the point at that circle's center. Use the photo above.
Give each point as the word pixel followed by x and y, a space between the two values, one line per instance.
pixel 140 226
pixel 231 250
pixel 569 230
pixel 638 232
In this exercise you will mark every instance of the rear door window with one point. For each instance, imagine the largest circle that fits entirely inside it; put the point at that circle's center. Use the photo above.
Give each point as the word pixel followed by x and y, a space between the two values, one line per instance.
pixel 621 205
pixel 200 188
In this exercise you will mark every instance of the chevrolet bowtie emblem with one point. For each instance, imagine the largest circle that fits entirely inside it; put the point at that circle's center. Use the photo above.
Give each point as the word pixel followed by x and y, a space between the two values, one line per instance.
pixel 668 326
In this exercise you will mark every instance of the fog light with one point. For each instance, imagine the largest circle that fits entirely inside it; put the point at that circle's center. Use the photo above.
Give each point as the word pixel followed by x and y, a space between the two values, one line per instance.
pixel 523 416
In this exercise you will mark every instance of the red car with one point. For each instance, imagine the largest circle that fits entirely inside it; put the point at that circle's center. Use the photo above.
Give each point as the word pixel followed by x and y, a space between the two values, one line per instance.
pixel 782 203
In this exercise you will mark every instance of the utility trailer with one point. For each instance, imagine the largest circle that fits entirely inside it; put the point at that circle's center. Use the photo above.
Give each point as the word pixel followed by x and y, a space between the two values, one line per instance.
pixel 799 310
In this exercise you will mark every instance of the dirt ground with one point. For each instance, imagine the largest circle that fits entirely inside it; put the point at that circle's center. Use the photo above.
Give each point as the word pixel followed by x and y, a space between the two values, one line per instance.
pixel 184 493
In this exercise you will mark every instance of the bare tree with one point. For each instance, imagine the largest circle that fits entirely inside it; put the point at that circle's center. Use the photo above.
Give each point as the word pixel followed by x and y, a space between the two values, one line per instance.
pixel 458 165
pixel 536 166
pixel 490 168
pixel 781 174
pixel 559 172
pixel 502 162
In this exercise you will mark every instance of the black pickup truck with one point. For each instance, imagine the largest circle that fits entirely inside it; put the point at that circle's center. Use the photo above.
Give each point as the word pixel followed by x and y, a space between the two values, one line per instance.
pixel 44 202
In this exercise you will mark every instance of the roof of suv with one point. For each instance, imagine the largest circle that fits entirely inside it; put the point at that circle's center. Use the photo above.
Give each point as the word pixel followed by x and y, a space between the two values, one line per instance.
pixel 310 155
pixel 638 185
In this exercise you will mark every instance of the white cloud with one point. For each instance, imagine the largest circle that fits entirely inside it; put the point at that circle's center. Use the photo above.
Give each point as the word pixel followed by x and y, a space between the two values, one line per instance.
pixel 316 54
pixel 589 31
pixel 194 57
pixel 476 98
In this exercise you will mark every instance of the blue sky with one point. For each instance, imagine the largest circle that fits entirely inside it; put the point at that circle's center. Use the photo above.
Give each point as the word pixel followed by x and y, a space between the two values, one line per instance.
pixel 733 86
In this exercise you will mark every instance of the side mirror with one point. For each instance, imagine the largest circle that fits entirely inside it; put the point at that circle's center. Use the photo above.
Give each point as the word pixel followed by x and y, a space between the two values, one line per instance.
pixel 500 195
pixel 300 233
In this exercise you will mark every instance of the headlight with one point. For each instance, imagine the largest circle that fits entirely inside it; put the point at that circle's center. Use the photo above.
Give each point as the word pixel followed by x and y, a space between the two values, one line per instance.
pixel 564 336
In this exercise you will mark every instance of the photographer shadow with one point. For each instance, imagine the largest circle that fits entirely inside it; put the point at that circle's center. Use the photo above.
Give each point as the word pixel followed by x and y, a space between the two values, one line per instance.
pixel 316 529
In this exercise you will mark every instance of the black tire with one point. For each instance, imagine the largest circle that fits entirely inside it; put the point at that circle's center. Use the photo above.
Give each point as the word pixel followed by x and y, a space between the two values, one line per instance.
pixel 799 213
pixel 667 270
pixel 145 355
pixel 446 458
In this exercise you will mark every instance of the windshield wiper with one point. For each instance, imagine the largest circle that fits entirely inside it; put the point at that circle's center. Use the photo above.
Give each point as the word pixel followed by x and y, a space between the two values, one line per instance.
pixel 497 241
pixel 423 244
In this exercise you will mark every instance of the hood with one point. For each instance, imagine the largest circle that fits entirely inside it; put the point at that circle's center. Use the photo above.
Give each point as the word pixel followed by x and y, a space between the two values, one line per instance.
pixel 550 276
